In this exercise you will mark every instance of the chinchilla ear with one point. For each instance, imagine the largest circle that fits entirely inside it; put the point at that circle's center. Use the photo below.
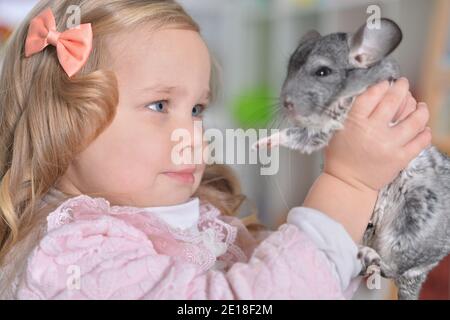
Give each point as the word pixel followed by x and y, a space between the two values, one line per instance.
pixel 311 34
pixel 370 44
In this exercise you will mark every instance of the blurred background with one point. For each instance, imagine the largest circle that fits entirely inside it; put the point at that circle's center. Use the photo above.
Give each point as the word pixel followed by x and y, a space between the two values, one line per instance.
pixel 252 40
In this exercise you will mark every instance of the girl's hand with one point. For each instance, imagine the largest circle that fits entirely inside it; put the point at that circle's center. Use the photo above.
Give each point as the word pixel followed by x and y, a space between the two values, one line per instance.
pixel 368 153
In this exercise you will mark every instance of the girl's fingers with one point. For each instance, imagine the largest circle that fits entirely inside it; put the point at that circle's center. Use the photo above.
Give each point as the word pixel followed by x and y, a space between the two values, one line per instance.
pixel 410 107
pixel 412 125
pixel 416 145
pixel 369 100
pixel 401 110
pixel 391 102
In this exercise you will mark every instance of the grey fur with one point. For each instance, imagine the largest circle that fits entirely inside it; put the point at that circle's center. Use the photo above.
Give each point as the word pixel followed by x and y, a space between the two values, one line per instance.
pixel 409 231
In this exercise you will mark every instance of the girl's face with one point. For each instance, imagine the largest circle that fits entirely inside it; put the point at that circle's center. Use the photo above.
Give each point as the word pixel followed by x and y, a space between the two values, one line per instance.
pixel 163 80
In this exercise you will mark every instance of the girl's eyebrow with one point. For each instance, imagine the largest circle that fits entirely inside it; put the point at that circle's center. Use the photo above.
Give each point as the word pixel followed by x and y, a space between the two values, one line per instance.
pixel 160 88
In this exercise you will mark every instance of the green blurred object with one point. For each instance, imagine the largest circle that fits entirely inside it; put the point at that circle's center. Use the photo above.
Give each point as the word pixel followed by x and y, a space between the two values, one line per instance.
pixel 254 108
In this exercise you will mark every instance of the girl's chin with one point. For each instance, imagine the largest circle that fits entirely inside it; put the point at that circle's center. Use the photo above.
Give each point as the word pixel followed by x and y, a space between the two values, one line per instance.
pixel 176 195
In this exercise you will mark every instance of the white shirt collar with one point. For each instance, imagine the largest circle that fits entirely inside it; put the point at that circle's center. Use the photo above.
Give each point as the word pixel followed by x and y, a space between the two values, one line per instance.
pixel 183 216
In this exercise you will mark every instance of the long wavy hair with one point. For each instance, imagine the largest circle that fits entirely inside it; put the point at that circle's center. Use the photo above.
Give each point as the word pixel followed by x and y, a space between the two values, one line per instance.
pixel 47 118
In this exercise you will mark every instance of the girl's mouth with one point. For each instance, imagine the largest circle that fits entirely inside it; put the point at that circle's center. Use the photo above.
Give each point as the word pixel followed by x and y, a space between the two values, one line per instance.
pixel 184 176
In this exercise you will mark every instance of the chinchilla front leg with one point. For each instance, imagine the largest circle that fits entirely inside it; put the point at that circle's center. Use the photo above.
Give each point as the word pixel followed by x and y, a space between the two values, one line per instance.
pixel 372 262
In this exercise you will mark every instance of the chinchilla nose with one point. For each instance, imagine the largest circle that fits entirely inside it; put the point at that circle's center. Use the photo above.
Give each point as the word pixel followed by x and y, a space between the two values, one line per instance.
pixel 288 104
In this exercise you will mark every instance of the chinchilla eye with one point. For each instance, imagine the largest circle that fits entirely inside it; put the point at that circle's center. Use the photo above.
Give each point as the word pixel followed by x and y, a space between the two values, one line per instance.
pixel 323 72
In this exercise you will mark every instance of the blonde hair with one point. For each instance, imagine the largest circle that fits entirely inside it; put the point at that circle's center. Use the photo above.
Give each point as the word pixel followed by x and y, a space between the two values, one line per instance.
pixel 46 118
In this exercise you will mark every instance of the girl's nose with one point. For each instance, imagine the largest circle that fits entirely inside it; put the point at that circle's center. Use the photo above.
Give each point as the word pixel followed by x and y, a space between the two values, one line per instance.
pixel 192 143
pixel 196 134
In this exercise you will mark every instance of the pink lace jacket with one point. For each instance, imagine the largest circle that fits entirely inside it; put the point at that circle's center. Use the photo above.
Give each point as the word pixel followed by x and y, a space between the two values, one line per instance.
pixel 93 250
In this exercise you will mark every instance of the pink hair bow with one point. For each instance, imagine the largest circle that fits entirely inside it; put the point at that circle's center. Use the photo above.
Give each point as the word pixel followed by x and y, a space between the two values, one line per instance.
pixel 73 46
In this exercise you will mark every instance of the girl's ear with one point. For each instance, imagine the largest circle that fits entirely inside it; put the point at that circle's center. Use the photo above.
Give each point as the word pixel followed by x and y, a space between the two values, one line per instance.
pixel 370 44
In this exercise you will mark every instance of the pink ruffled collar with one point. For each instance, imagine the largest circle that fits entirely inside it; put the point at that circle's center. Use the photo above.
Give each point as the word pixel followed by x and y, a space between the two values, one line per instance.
pixel 210 242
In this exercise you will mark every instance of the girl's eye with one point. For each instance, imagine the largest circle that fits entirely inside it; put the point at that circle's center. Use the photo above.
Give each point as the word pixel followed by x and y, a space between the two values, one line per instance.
pixel 197 110
pixel 158 106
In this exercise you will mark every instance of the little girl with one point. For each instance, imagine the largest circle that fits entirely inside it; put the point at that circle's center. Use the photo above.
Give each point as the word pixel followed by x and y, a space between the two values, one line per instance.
pixel 92 205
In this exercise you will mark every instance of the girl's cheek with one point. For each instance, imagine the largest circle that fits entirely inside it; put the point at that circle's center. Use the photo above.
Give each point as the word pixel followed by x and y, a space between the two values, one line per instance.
pixel 199 176
pixel 202 169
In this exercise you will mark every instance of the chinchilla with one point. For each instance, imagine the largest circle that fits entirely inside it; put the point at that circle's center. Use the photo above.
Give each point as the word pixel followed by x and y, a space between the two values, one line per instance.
pixel 409 231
